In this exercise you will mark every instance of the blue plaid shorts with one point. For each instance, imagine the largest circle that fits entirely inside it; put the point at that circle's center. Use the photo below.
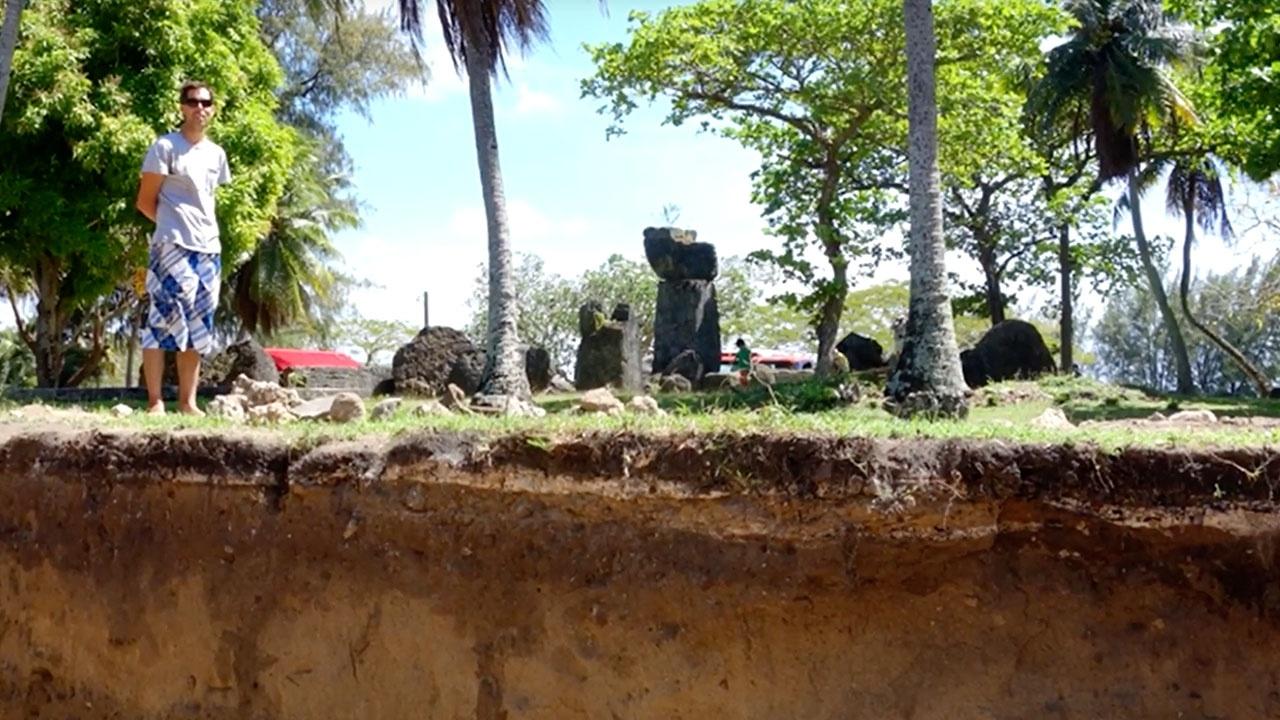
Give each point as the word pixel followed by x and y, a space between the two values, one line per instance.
pixel 183 286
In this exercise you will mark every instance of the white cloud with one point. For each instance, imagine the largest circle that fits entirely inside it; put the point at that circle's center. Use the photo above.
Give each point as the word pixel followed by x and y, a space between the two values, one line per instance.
pixel 535 102
pixel 444 261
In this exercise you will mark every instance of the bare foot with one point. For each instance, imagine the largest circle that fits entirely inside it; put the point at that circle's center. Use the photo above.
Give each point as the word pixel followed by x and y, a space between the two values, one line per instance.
pixel 155 409
pixel 191 410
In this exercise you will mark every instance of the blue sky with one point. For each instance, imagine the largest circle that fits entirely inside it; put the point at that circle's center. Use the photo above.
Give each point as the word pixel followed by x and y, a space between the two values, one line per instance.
pixel 574 198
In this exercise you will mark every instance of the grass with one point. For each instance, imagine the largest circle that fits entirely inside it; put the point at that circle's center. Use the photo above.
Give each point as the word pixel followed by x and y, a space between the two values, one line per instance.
pixel 993 417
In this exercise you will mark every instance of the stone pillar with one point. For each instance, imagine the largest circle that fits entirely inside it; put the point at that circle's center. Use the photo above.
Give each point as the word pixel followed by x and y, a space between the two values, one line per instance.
pixel 609 353
pixel 687 317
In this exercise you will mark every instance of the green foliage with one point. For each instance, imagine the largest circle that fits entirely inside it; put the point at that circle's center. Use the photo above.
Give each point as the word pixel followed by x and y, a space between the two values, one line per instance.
pixel 1132 346
pixel 803 83
pixel 288 278
pixel 873 311
pixel 1238 89
pixel 17 364
pixel 94 82
pixel 335 55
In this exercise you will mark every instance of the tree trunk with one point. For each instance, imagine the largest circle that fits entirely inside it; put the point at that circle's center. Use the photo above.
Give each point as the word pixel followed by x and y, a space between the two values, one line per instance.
pixel 8 43
pixel 1182 363
pixel 504 372
pixel 833 305
pixel 927 378
pixel 1261 383
pixel 48 351
pixel 991 287
pixel 829 317
pixel 1066 321
pixel 135 329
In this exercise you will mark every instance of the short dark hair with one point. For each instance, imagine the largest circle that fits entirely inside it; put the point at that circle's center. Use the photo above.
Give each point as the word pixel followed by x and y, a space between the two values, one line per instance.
pixel 740 342
pixel 190 85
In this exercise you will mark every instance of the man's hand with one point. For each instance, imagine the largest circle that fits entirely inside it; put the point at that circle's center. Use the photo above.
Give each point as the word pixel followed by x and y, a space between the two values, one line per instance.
pixel 149 194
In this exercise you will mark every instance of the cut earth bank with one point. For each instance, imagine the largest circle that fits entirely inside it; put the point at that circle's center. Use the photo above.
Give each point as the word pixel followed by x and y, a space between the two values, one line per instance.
pixel 149 576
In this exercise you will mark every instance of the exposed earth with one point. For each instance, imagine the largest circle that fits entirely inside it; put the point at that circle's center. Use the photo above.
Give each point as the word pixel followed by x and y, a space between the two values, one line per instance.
pixel 244 575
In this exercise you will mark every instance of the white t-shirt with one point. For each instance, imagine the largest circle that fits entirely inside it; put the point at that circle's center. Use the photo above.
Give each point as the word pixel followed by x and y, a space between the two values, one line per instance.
pixel 185 214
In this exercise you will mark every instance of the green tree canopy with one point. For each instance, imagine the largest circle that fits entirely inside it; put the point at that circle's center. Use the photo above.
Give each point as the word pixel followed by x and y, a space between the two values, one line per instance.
pixel 94 82
pixel 813 86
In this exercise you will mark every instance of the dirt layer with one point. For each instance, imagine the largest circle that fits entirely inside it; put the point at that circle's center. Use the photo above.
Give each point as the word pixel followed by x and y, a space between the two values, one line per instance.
pixel 621 576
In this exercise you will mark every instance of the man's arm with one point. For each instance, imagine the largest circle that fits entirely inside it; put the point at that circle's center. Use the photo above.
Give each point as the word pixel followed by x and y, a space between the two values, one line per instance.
pixel 149 194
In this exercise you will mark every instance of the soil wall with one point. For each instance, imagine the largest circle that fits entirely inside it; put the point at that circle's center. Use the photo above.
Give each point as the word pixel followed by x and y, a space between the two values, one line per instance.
pixel 184 576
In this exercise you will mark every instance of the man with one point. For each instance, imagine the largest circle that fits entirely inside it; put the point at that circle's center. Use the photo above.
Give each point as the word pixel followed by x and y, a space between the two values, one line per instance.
pixel 184 273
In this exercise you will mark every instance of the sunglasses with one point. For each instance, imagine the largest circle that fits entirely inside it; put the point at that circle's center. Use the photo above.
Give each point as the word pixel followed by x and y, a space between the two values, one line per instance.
pixel 192 102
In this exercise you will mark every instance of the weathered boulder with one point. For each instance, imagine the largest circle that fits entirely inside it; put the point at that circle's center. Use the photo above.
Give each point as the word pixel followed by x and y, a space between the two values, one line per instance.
pixel 674 254
pixel 609 353
pixel 436 357
pixel 1011 350
pixel 467 371
pixel 687 318
pixel 347 407
pixel 600 400
pixel 863 353
pixel 242 358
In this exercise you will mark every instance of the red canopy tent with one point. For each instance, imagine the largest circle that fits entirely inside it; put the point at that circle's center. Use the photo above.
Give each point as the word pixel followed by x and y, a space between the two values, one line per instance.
pixel 289 359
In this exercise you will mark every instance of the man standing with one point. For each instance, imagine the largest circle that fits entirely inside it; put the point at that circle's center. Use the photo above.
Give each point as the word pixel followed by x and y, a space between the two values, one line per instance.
pixel 184 272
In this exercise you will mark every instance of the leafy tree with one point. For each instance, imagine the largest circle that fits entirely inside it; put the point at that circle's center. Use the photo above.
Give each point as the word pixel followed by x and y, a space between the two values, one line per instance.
pixel 1116 61
pixel 335 54
pixel 93 84
pixel 373 337
pixel 1241 89
pixel 1132 346
pixel 802 83
pixel 8 42
pixel 926 379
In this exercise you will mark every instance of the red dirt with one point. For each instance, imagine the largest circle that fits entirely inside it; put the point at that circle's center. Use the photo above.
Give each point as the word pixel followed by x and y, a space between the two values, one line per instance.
pixel 445 576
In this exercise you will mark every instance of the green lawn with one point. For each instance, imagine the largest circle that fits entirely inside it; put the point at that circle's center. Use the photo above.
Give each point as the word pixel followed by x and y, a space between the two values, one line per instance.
pixel 1000 412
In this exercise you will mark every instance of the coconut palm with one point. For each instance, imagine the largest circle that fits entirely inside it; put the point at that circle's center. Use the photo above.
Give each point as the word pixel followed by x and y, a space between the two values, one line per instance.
pixel 927 378
pixel 288 274
pixel 478 35
pixel 1117 61
pixel 1194 191
pixel 8 43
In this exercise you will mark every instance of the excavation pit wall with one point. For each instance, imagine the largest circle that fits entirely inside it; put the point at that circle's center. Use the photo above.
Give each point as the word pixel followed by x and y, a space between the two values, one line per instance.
pixel 619 576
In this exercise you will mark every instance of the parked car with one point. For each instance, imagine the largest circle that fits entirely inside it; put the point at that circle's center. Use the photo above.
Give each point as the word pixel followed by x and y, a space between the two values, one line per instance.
pixel 777 359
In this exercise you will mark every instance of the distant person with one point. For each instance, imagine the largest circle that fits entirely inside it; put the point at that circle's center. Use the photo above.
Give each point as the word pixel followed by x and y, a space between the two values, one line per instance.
pixel 742 361
pixel 184 273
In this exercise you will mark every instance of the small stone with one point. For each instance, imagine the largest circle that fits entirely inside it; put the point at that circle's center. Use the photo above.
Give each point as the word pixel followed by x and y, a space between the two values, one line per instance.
pixel 275 413
pixel 121 410
pixel 1157 416
pixel 455 399
pixel 385 409
pixel 431 407
pixel 675 383
pixel 347 407
pixel 352 526
pixel 315 408
pixel 507 405
pixel 1193 417
pixel 600 400
pixel 228 407
pixel 1052 419
pixel 645 405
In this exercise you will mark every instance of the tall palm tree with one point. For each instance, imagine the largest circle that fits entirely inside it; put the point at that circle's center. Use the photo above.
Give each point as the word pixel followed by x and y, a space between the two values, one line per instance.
pixel 1117 60
pixel 927 378
pixel 479 34
pixel 8 43
pixel 1194 191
